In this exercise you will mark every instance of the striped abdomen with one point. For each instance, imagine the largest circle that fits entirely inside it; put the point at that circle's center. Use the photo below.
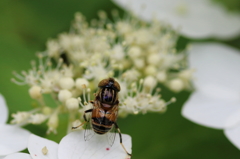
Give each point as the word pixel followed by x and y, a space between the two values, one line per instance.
pixel 102 121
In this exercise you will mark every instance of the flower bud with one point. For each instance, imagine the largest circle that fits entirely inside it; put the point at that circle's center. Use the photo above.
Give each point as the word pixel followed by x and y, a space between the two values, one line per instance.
pixel 35 92
pixel 134 52
pixel 150 70
pixel 66 83
pixel 154 59
pixel 52 124
pixel 161 76
pixel 63 95
pixel 72 104
pixel 139 63
pixel 149 82
pixel 80 82
pixel 176 85
pixel 46 110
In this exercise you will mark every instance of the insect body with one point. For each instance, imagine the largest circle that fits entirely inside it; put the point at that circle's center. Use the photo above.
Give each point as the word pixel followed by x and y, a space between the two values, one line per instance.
pixel 105 110
pixel 104 113
pixel 103 121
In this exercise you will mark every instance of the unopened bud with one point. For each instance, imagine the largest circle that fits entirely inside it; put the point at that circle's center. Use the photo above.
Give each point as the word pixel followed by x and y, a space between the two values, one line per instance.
pixel 63 95
pixel 66 83
pixel 80 82
pixel 35 92
pixel 72 104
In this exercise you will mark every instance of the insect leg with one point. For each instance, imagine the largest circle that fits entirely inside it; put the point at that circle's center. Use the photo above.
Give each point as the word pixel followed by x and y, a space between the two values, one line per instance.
pixel 85 119
pixel 120 136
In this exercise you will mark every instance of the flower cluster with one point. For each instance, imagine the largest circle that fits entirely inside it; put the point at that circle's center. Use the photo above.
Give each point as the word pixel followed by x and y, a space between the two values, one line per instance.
pixel 141 56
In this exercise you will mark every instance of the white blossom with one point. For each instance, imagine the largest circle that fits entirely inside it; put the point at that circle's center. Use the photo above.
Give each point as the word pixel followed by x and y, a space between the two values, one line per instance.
pixel 37 118
pixel 126 49
pixel 195 18
pixel 216 101
pixel 74 146
pixel 12 138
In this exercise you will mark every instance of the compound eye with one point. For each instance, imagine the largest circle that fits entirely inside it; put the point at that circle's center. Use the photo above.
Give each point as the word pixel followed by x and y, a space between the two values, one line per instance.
pixel 103 83
pixel 109 83
pixel 117 86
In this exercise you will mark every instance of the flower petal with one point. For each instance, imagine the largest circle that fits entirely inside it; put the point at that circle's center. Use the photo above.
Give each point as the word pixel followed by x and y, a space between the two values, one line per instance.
pixel 215 64
pixel 18 156
pixel 3 110
pixel 233 135
pixel 208 111
pixel 12 139
pixel 74 146
pixel 197 18
pixel 233 120
pixel 36 145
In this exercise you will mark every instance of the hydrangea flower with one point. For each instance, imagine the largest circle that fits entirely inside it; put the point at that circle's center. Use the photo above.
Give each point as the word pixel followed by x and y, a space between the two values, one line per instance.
pixel 12 138
pixel 140 56
pixel 216 101
pixel 196 18
pixel 74 146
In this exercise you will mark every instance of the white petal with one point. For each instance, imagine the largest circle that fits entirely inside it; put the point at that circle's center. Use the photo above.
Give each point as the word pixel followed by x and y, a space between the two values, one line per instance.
pixel 233 120
pixel 18 156
pixel 12 139
pixel 36 145
pixel 3 110
pixel 216 64
pixel 208 111
pixel 233 135
pixel 74 146
pixel 197 18
pixel 219 92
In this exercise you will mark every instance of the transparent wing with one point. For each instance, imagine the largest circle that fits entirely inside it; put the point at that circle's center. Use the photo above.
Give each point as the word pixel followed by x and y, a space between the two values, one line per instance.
pixel 89 133
pixel 111 135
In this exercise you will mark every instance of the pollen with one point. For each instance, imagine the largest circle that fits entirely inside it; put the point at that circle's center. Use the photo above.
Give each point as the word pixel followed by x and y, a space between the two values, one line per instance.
pixel 44 150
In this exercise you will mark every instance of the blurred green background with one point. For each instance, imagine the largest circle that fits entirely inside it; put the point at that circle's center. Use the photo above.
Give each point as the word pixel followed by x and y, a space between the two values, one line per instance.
pixel 25 26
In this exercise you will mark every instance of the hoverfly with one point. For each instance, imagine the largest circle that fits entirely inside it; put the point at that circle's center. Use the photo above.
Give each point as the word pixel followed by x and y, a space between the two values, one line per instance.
pixel 104 111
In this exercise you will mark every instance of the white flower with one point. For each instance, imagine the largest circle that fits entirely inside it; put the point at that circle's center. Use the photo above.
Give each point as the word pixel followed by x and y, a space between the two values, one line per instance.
pixel 74 146
pixel 125 49
pixel 216 101
pixel 37 118
pixel 97 147
pixel 12 138
pixel 139 98
pixel 196 18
